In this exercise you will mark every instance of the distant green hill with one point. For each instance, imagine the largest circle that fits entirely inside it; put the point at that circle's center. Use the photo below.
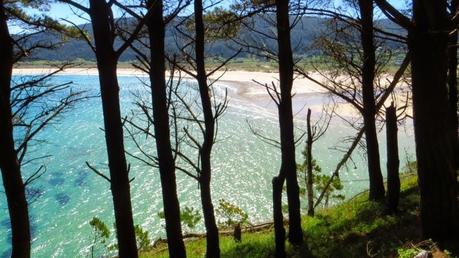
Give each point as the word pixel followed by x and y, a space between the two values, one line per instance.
pixel 303 36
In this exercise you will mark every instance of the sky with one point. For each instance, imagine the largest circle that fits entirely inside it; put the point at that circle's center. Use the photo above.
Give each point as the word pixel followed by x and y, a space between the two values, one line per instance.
pixel 64 11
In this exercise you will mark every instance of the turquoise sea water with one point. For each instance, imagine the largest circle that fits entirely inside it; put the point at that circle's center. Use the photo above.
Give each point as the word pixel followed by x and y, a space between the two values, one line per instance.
pixel 242 170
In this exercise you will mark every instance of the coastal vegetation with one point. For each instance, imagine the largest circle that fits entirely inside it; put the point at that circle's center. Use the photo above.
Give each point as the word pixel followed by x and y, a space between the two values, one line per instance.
pixel 354 228
pixel 357 227
pixel 370 76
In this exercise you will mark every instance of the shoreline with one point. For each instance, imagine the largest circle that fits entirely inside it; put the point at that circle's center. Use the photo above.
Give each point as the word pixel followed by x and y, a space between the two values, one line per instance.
pixel 244 81
pixel 243 85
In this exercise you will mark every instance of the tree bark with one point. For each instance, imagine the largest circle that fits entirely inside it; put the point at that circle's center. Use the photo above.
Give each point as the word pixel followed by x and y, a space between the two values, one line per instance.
pixel 393 163
pixel 452 85
pixel 288 165
pixel 369 109
pixel 107 60
pixel 309 179
pixel 212 238
pixel 279 230
pixel 9 164
pixel 428 43
pixel 156 34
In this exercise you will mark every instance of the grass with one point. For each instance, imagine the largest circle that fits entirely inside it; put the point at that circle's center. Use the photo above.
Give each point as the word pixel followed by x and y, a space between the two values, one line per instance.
pixel 78 63
pixel 237 64
pixel 240 64
pixel 359 227
pixel 355 228
pixel 253 245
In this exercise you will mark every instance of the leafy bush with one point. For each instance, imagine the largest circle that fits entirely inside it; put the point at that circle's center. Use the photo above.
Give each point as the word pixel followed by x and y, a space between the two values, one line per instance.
pixel 230 214
pixel 102 237
pixel 407 252
pixel 319 181
pixel 100 229
pixel 188 216
pixel 142 238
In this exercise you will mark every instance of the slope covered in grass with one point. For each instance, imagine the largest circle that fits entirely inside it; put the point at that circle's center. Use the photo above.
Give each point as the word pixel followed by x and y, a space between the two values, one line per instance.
pixel 355 228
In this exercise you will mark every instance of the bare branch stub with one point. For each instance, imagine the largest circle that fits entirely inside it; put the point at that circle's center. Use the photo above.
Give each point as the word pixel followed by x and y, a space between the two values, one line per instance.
pixel 97 172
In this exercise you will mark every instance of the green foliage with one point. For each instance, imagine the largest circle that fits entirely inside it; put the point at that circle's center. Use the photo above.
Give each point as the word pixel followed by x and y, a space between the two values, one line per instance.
pixel 255 245
pixel 316 169
pixel 102 237
pixel 188 216
pixel 319 181
pixel 336 185
pixel 407 252
pixel 100 243
pixel 250 5
pixel 231 214
pixel 40 21
pixel 359 225
pixel 221 24
pixel 428 246
pixel 101 231
pixel 355 228
pixel 142 238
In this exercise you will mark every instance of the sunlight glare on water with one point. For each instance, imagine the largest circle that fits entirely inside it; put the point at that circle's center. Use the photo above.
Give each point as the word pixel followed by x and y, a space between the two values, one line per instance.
pixel 72 195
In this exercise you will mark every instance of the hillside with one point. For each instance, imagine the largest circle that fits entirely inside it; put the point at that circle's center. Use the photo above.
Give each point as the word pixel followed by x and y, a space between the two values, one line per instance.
pixel 303 37
pixel 357 228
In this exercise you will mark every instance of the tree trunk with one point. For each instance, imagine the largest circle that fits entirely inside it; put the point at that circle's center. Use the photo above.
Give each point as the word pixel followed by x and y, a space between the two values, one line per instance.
pixel 156 35
pixel 9 164
pixel 369 109
pixel 107 60
pixel 309 179
pixel 393 179
pixel 288 165
pixel 279 230
pixel 452 85
pixel 434 151
pixel 212 238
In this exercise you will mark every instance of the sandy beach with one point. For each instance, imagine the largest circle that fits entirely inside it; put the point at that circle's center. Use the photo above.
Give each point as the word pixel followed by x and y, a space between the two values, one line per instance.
pixel 248 81
pixel 243 85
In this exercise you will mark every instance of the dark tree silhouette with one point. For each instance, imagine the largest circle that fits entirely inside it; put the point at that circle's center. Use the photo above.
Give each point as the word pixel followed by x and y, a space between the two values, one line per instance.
pixel 213 246
pixel 166 163
pixel 343 93
pixel 434 149
pixel 27 106
pixel 393 162
pixel 357 72
pixel 431 110
pixel 314 132
pixel 452 82
pixel 281 94
pixel 279 230
pixel 105 32
pixel 368 94
pixel 9 163
pixel 150 52
pixel 309 177
pixel 191 60
pixel 202 114
pixel 287 137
